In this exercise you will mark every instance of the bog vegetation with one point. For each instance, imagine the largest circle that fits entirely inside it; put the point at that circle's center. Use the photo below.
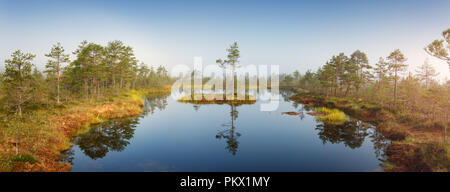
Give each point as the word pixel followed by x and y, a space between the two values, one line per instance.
pixel 43 110
pixel 411 108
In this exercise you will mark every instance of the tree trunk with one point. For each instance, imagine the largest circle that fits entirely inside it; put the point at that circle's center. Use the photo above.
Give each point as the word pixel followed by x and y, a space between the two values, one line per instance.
pixel 114 80
pixel 86 88
pixel 445 127
pixel 121 81
pixel 57 71
pixel 346 91
pixel 98 88
pixel 395 89
pixel 19 105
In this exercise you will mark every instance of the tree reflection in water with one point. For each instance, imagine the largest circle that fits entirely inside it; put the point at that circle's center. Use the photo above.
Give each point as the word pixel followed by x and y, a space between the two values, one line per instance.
pixel 114 135
pixel 352 133
pixel 231 135
pixel 154 102
pixel 380 144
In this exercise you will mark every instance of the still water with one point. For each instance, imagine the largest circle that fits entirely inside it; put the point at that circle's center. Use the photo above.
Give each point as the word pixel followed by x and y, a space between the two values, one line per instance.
pixel 174 136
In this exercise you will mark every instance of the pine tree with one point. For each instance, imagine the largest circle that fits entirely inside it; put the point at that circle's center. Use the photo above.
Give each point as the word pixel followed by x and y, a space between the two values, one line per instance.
pixel 397 64
pixel 17 79
pixel 359 59
pixel 57 58
pixel 326 77
pixel 382 70
pixel 94 56
pixel 114 50
pixel 440 48
pixel 231 61
pixel 338 64
pixel 426 73
pixel 233 57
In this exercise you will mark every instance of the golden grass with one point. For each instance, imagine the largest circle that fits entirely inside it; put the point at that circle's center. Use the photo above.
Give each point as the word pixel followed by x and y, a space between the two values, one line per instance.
pixel 331 116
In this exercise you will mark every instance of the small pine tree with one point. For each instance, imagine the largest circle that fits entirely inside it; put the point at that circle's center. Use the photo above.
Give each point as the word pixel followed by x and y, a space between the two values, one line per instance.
pixel 57 58
pixel 17 80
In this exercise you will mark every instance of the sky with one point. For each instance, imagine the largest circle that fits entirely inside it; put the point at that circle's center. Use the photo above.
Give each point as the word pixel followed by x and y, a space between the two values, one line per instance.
pixel 297 35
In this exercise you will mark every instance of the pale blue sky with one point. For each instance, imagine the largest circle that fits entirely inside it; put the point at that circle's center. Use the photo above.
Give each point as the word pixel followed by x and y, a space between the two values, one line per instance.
pixel 297 35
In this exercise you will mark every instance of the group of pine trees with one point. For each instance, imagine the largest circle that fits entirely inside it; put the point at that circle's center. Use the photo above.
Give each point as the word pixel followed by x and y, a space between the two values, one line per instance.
pixel 96 72
pixel 417 96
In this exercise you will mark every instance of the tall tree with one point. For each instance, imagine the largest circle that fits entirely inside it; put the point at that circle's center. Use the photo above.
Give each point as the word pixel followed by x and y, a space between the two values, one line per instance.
pixel 142 74
pixel 126 65
pixel 231 61
pixel 39 88
pixel 426 73
pixel 233 57
pixel 338 64
pixel 89 67
pixel 57 58
pixel 94 56
pixel 74 73
pixel 325 75
pixel 440 48
pixel 397 64
pixel 359 59
pixel 114 51
pixel 382 80
pixel 350 76
pixel 381 70
pixel 17 79
pixel 296 76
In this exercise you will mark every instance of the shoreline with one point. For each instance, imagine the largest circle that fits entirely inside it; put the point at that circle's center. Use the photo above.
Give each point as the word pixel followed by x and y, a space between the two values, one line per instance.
pixel 411 149
pixel 41 150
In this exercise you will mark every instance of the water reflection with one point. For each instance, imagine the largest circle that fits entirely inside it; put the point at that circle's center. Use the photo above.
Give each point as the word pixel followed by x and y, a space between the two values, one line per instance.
pixel 114 135
pixel 380 144
pixel 230 134
pixel 352 133
pixel 154 102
